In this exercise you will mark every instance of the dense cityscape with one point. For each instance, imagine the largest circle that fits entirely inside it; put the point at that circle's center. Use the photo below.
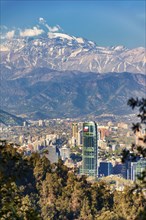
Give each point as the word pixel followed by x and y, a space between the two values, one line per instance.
pixel 92 149
pixel 57 163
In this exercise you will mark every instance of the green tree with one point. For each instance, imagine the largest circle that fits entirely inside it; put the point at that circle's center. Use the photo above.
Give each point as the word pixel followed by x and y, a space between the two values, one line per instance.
pixel 140 150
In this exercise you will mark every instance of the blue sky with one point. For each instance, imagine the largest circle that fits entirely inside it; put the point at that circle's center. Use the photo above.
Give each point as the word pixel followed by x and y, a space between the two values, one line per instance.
pixel 105 22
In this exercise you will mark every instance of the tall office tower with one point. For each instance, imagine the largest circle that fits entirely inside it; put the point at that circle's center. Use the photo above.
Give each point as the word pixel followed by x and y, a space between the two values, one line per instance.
pixel 80 137
pixel 75 130
pixel 105 169
pixel 90 149
pixel 74 133
pixel 133 170
pixel 139 168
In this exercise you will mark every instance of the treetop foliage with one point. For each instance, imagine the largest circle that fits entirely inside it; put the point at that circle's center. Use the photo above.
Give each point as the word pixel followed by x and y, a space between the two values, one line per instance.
pixel 33 189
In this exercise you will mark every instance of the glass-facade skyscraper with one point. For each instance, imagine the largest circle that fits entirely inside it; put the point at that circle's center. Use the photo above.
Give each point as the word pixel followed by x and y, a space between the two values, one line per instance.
pixel 105 169
pixel 140 168
pixel 90 149
pixel 134 170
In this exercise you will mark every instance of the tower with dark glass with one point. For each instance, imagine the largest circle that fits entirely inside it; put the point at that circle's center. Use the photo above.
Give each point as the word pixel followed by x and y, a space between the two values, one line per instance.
pixel 90 149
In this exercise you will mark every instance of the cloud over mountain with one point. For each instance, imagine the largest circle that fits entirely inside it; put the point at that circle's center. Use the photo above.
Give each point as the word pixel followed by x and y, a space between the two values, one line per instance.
pixel 42 20
pixel 31 32
pixel 56 28
pixel 6 33
pixel 10 34
pixel 53 29
pixel 40 28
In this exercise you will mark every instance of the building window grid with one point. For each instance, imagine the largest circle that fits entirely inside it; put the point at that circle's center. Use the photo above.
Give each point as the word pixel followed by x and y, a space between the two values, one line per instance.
pixel 90 153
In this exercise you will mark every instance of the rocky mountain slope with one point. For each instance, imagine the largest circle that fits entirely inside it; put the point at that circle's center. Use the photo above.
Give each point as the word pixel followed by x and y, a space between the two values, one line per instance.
pixel 44 93
pixel 62 52
pixel 9 119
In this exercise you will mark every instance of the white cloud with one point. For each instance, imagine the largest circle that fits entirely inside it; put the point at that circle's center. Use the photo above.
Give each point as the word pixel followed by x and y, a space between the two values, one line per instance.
pixel 5 33
pixel 10 34
pixel 42 20
pixel 31 32
pixel 60 28
pixel 52 29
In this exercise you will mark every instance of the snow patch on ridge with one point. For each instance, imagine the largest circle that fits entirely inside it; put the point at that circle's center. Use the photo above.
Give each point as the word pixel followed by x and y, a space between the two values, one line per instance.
pixel 80 40
pixel 59 35
pixel 4 48
pixel 75 53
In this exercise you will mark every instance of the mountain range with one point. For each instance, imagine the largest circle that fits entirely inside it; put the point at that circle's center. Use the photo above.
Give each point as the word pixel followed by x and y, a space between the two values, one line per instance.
pixel 64 76
pixel 45 93
pixel 62 52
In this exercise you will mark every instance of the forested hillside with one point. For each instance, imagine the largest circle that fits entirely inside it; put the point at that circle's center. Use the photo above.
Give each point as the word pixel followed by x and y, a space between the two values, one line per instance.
pixel 32 188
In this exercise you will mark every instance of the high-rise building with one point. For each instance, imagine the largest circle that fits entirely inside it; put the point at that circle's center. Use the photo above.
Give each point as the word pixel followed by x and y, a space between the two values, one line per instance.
pixel 74 134
pixel 105 168
pixel 80 137
pixel 128 170
pixel 90 149
pixel 140 168
pixel 41 123
pixel 64 152
pixel 103 132
pixel 53 153
pixel 134 170
pixel 75 130
pixel 117 169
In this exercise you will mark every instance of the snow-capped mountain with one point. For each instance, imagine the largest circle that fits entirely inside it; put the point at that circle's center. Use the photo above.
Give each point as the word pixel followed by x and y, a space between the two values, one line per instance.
pixel 59 51
pixel 45 73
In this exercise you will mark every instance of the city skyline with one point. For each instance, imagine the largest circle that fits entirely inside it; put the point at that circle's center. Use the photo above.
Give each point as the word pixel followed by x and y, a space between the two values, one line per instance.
pixel 108 23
